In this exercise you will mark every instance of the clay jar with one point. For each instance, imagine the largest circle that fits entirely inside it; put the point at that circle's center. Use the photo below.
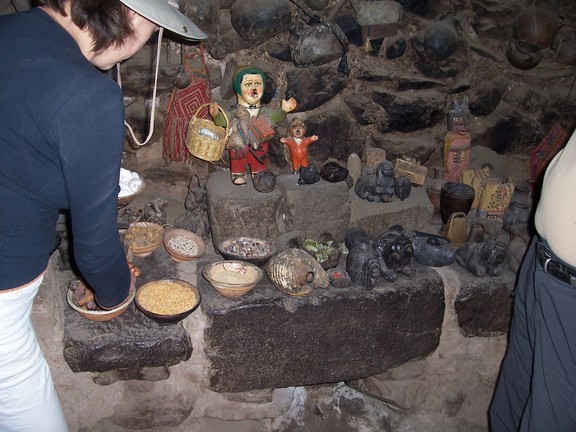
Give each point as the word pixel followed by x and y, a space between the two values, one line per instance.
pixel 433 191
pixel 441 38
pixel 455 197
pixel 535 29
pixel 520 59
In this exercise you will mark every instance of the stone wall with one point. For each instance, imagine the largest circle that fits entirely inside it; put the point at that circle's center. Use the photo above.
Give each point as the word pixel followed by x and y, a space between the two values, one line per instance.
pixel 395 102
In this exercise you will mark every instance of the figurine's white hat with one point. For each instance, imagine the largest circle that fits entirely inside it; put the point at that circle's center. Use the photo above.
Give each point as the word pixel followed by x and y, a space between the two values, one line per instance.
pixel 165 13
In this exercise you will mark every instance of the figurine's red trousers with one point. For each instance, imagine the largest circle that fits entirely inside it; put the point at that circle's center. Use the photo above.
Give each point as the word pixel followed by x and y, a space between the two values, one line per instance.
pixel 239 159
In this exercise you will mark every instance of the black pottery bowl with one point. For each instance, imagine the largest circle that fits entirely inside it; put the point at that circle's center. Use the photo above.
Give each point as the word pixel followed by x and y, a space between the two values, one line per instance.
pixel 248 249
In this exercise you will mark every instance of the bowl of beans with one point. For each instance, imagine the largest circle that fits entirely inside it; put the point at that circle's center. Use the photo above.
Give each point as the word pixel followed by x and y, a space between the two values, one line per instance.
pixel 167 300
pixel 249 249
pixel 183 245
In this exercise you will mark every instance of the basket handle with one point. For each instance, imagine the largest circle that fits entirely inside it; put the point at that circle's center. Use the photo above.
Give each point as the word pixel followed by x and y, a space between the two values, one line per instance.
pixel 221 110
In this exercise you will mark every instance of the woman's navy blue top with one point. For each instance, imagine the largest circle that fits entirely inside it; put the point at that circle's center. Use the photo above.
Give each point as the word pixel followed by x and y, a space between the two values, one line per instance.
pixel 61 142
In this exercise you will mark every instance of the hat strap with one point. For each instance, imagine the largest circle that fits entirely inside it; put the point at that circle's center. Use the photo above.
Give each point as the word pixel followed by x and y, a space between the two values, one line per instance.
pixel 153 104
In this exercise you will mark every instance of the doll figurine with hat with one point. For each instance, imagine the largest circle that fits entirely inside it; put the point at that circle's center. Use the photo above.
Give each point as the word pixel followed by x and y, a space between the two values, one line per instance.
pixel 250 136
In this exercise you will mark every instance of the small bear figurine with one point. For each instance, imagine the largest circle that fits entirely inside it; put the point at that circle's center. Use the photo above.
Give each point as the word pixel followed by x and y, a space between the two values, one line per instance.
pixel 483 258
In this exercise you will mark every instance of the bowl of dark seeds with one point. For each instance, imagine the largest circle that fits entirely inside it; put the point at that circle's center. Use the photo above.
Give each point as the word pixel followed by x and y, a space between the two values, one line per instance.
pixel 183 245
pixel 253 250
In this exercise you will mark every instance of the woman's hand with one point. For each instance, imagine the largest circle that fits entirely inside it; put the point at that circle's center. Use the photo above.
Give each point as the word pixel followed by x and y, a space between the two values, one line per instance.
pixel 289 105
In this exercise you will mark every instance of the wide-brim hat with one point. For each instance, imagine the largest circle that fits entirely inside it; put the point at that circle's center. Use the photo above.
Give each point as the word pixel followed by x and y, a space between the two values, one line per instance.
pixel 165 13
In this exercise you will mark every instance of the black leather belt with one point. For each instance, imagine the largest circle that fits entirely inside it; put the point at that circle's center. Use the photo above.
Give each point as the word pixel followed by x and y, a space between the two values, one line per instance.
pixel 554 267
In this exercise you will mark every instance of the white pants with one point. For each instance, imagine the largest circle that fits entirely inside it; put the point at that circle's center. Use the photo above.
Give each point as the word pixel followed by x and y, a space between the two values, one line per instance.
pixel 28 399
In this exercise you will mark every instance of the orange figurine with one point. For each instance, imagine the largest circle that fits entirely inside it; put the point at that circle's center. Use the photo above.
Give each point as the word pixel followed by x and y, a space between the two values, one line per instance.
pixel 298 144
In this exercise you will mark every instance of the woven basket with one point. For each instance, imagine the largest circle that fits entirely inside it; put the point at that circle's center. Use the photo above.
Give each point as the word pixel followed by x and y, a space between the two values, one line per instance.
pixel 204 139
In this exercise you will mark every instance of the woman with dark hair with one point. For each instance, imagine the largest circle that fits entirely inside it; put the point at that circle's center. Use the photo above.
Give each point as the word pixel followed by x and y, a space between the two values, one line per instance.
pixel 61 141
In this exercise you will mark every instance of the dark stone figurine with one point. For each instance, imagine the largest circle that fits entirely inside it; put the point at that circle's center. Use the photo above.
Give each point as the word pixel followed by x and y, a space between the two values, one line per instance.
pixel 363 265
pixel 308 175
pixel 195 216
pixel 395 246
pixel 333 172
pixel 381 185
pixel 484 258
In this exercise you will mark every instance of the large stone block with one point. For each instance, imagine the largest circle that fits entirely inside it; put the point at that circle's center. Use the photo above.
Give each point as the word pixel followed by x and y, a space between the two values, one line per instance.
pixel 484 304
pixel 236 211
pixel 130 340
pixel 375 218
pixel 268 339
pixel 314 209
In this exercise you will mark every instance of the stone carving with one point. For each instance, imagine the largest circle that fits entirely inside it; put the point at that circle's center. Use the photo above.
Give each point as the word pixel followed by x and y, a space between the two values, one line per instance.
pixel 387 255
pixel 309 175
pixel 195 216
pixel 381 185
pixel 484 258
pixel 395 246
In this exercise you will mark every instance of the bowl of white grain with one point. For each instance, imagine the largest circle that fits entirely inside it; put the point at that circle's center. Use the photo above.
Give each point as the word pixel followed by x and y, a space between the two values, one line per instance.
pixel 183 245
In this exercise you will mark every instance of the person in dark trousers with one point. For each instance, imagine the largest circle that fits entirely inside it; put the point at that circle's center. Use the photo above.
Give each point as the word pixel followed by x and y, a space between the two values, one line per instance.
pixel 61 141
pixel 536 389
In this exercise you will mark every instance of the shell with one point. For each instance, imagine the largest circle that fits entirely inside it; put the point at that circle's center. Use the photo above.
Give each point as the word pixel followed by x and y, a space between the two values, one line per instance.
pixel 295 272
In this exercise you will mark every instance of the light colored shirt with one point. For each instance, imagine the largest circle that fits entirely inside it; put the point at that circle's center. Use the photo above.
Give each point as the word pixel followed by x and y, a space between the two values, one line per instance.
pixel 555 217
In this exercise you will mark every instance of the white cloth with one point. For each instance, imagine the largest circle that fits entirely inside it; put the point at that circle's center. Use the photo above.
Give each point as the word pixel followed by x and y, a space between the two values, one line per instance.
pixel 555 217
pixel 28 399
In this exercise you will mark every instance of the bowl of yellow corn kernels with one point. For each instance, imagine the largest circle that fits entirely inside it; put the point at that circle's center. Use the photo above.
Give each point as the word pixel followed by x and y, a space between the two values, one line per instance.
pixel 167 300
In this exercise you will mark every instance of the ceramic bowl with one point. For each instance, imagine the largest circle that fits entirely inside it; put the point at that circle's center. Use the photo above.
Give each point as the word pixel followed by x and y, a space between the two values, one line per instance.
pixel 183 245
pixel 143 238
pixel 248 249
pixel 100 314
pixel 127 199
pixel 167 300
pixel 232 279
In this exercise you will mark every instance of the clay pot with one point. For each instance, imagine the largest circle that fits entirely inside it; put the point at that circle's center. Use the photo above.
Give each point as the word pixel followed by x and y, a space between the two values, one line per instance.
pixel 519 209
pixel 455 197
pixel 535 29
pixel 441 38
pixel 433 191
pixel 520 59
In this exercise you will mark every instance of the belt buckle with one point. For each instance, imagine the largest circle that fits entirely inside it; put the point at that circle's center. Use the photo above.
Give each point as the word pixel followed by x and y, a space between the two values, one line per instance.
pixel 545 265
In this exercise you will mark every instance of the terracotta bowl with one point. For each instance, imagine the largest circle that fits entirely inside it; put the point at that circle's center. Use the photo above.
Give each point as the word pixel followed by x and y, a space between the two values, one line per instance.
pixel 143 238
pixel 252 250
pixel 183 245
pixel 101 314
pixel 232 279
pixel 125 200
pixel 167 300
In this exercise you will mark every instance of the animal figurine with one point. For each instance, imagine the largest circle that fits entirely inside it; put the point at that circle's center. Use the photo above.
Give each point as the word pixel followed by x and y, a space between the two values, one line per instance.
pixel 155 211
pixel 195 216
pixel 397 250
pixel 363 265
pixel 381 185
pixel 308 175
pixel 484 258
